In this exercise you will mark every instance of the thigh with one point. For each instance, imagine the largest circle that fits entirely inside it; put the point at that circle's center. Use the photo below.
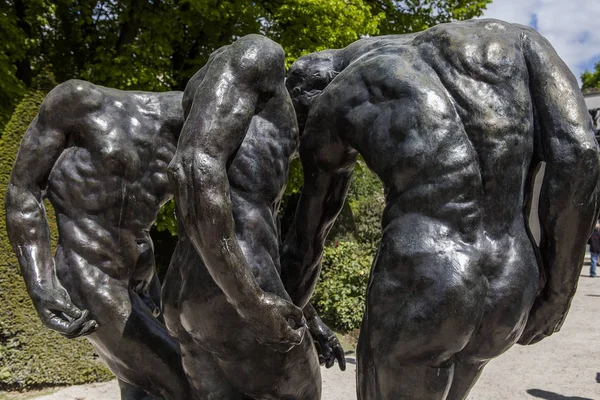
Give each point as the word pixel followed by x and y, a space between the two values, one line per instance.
pixel 465 377
pixel 270 375
pixel 383 377
pixel 134 345
pixel 130 392
pixel 205 374
pixel 138 349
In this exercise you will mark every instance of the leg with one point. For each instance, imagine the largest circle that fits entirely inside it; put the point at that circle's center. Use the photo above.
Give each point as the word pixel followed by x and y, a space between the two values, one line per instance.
pixel 422 308
pixel 130 392
pixel 513 285
pixel 593 264
pixel 236 365
pixel 203 372
pixel 139 350
pixel 465 377
pixel 379 378
pixel 134 345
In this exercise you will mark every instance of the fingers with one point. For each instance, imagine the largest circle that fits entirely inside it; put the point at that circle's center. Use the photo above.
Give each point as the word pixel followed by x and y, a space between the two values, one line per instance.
pixel 330 362
pixel 325 350
pixel 280 347
pixel 295 336
pixel 338 353
pixel 69 327
pixel 67 308
pixel 87 328
pixel 528 338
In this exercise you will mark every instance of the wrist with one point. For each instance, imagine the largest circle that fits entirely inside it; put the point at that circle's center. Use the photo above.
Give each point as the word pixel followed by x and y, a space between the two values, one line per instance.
pixel 251 305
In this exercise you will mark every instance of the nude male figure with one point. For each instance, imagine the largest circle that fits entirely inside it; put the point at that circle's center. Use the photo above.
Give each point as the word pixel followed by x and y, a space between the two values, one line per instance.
pixel 240 335
pixel 455 121
pixel 100 156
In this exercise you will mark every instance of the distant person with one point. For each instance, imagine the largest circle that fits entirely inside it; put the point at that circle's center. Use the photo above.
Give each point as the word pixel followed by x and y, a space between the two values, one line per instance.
pixel 594 243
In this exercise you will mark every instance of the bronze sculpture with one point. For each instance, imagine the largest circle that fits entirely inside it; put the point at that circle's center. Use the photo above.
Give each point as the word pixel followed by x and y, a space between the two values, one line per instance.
pixel 241 337
pixel 100 156
pixel 455 120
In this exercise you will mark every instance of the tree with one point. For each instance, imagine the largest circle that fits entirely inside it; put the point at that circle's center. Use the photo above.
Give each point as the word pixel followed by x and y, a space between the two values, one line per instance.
pixel 416 15
pixel 159 44
pixel 591 80
pixel 21 35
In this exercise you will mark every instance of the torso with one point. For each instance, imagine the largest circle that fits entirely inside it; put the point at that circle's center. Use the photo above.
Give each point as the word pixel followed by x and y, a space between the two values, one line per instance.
pixel 109 183
pixel 470 179
pixel 456 190
pixel 257 177
pixel 485 80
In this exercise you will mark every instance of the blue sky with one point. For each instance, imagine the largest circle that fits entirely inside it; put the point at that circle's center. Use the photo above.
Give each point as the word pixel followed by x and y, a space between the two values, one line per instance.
pixel 572 26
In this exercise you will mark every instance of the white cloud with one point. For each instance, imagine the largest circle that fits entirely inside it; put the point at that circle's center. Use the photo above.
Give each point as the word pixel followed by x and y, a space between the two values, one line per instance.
pixel 572 26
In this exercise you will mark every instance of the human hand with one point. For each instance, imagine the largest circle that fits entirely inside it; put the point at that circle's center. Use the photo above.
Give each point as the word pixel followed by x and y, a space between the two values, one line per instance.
pixel 545 318
pixel 276 322
pixel 57 312
pixel 328 345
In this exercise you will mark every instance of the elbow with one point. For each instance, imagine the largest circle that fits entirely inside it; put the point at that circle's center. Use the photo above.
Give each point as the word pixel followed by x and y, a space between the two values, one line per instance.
pixel 176 173
pixel 200 186
pixel 576 162
pixel 21 199
pixel 196 171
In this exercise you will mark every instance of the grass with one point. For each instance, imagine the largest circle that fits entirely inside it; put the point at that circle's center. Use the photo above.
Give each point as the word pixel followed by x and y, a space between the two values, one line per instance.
pixel 347 340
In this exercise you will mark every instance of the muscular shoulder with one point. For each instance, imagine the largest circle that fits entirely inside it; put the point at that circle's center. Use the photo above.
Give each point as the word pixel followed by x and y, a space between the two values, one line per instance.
pixel 74 93
pixel 258 60
pixel 487 49
pixel 71 99
pixel 474 31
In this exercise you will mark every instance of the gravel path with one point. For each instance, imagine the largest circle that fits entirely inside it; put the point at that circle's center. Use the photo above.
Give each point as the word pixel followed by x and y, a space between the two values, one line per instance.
pixel 565 366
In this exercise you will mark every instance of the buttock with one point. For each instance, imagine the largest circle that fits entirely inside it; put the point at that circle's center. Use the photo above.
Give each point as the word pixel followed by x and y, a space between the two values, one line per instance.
pixel 425 297
pixel 513 280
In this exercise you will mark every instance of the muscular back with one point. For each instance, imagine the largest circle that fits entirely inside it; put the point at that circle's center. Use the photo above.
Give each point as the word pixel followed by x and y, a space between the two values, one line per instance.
pixel 487 79
pixel 451 109
pixel 108 179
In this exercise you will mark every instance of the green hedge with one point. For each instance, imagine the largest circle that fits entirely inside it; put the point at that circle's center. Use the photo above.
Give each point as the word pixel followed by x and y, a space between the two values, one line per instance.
pixel 30 354
pixel 340 295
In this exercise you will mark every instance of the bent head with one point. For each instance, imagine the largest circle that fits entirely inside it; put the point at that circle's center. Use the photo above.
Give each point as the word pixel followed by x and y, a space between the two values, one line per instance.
pixel 307 78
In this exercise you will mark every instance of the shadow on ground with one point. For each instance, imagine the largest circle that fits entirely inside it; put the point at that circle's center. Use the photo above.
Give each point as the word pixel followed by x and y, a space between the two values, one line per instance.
pixel 351 360
pixel 544 394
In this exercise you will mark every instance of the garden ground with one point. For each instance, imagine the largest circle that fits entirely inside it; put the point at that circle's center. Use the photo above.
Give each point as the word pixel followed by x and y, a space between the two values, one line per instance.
pixel 565 366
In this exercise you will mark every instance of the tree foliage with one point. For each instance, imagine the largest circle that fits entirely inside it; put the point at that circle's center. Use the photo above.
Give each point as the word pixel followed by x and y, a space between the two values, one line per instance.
pixel 159 44
pixel 416 15
pixel 340 295
pixel 591 80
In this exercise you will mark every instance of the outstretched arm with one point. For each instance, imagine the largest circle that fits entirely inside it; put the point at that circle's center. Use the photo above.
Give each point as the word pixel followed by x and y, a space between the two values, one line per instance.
pixel 327 163
pixel 569 196
pixel 28 229
pixel 223 106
